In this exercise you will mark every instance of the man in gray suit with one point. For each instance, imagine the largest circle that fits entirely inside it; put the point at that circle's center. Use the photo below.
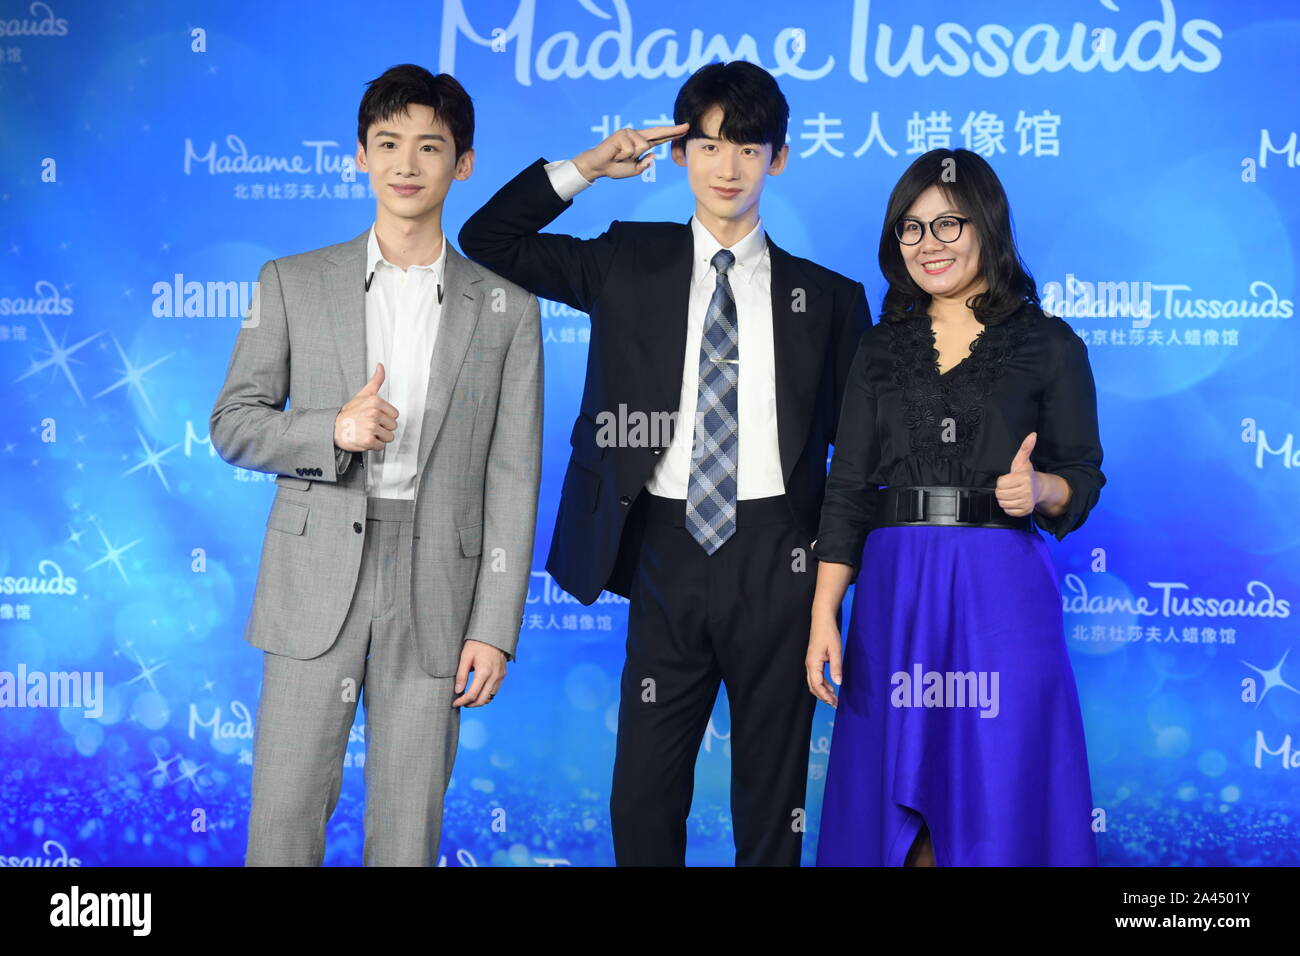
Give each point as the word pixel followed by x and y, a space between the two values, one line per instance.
pixel 399 546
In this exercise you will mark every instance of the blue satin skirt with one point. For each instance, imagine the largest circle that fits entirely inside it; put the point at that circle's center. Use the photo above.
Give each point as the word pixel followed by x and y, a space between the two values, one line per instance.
pixel 958 708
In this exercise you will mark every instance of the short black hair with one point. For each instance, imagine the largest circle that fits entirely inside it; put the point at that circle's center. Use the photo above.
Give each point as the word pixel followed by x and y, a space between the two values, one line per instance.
pixel 972 185
pixel 754 109
pixel 407 84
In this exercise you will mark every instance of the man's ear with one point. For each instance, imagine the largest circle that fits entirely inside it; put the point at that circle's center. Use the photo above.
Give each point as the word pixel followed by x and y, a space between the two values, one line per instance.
pixel 464 165
pixel 361 157
pixel 778 160
pixel 678 151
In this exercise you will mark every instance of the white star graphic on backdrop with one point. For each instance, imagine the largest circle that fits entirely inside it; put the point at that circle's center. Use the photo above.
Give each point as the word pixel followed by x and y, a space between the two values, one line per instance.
pixel 75 536
pixel 1272 677
pixel 190 772
pixel 160 767
pixel 146 673
pixel 60 357
pixel 151 459
pixel 112 553
pixel 135 376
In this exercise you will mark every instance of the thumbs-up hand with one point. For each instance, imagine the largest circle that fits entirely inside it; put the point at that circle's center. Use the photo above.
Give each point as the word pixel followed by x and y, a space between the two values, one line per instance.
pixel 1020 489
pixel 366 422
pixel 376 381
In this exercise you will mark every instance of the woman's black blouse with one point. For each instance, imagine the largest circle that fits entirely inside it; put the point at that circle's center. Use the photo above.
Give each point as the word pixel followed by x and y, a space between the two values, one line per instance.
pixel 903 423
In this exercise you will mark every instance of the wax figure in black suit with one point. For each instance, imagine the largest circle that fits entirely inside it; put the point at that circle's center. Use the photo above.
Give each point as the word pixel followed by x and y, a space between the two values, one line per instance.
pixel 707 533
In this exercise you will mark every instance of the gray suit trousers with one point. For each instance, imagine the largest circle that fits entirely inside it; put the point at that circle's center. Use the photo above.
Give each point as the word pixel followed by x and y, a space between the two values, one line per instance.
pixel 307 708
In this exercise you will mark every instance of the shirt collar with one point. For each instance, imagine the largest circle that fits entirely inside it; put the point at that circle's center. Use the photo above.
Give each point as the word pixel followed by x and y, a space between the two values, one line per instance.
pixel 374 257
pixel 748 251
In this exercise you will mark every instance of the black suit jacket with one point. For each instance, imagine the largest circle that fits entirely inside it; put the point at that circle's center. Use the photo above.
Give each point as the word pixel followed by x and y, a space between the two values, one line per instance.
pixel 633 281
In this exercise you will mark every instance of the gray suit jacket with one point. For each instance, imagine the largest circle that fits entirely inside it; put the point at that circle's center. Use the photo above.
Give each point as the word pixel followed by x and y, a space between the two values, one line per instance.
pixel 479 455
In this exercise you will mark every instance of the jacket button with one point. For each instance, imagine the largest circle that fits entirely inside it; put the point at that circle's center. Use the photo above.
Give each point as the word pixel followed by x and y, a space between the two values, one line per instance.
pixel 356 526
pixel 625 501
pixel 658 451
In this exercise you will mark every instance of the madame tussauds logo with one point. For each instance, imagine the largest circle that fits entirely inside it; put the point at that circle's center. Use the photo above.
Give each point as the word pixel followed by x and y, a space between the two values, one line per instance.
pixel 1284 451
pixel 43 23
pixel 52 580
pixel 46 302
pixel 1288 757
pixel 1143 300
pixel 952 49
pixel 55 855
pixel 237 159
pixel 1260 601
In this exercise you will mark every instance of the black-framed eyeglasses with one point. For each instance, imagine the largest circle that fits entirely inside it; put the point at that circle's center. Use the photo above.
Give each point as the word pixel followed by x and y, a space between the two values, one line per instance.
pixel 945 228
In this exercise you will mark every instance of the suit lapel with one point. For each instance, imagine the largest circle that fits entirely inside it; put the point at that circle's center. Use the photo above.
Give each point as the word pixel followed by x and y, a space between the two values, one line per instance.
pixel 460 308
pixel 461 300
pixel 799 324
pixel 660 329
pixel 346 288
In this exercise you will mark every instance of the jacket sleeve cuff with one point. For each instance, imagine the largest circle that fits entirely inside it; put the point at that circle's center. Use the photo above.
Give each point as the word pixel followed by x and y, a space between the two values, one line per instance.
pixel 565 178
pixel 840 549
pixel 507 651
pixel 342 461
pixel 1075 513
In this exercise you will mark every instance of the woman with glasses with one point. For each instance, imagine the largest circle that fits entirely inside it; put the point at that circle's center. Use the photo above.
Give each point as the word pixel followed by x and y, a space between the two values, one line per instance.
pixel 969 421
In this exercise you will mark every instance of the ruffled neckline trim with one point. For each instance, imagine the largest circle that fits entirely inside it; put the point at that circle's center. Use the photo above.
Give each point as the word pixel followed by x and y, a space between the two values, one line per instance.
pixel 930 397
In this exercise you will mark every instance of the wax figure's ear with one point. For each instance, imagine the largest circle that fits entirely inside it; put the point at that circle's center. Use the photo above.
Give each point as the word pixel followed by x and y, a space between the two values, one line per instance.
pixel 678 150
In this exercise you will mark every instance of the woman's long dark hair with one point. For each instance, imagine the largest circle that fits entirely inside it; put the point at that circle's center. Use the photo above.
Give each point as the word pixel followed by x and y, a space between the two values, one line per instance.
pixel 975 189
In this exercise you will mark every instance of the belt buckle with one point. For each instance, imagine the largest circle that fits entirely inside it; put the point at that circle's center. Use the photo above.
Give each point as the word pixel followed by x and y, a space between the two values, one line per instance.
pixel 912 504
pixel 974 507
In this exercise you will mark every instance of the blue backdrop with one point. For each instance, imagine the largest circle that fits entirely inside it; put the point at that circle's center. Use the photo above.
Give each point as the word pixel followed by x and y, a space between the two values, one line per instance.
pixel 1149 150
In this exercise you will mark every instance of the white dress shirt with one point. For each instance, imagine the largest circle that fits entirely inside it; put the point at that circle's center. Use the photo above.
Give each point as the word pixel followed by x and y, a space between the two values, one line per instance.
pixel 758 469
pixel 402 316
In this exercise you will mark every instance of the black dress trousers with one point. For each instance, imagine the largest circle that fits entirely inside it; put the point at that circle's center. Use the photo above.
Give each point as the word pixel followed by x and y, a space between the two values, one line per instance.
pixel 740 616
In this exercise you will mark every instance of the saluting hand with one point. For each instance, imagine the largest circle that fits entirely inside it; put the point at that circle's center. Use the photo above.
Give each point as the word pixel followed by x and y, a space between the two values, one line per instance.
pixel 620 155
pixel 1020 489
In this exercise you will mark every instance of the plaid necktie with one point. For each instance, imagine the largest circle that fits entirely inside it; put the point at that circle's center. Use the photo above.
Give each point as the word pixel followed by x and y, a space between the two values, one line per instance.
pixel 711 488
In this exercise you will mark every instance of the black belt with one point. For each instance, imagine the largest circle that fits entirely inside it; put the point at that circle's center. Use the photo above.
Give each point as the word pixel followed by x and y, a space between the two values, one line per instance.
pixel 942 505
